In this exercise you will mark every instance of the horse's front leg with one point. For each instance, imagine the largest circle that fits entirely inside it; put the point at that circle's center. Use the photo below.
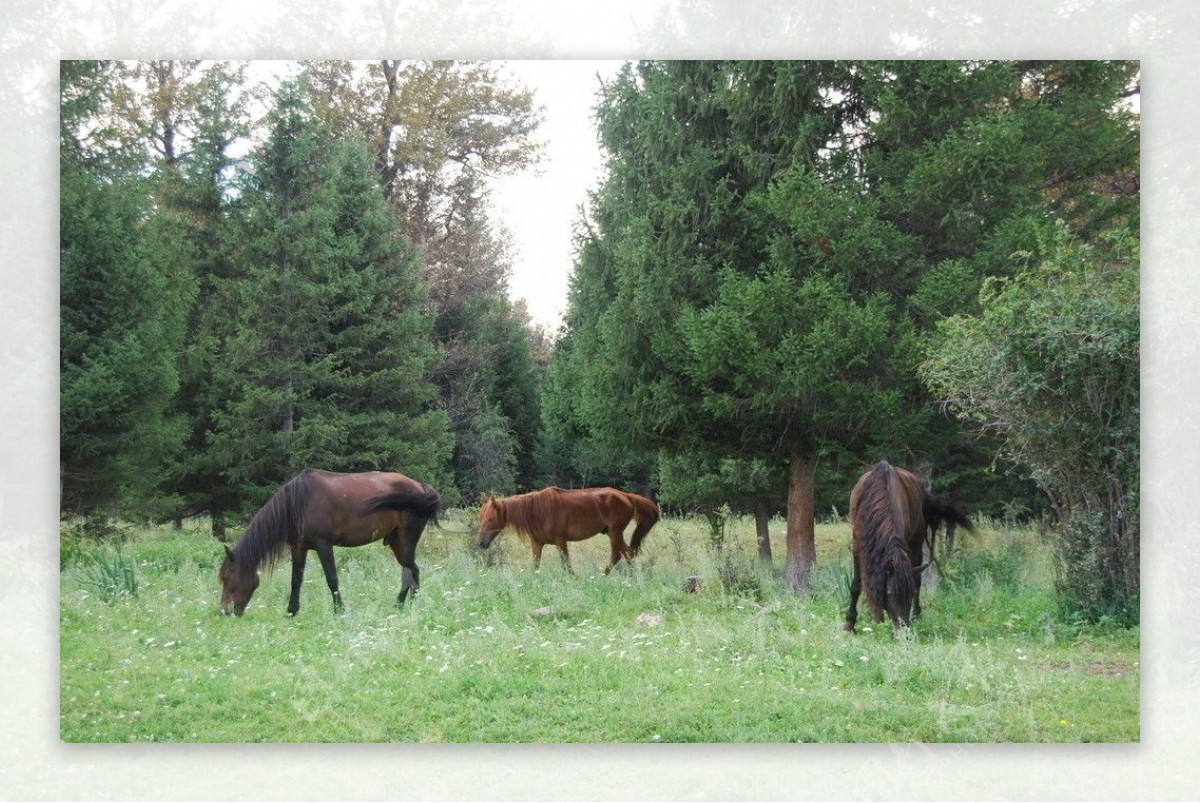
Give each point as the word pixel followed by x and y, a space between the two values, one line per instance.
pixel 325 553
pixel 537 553
pixel 299 556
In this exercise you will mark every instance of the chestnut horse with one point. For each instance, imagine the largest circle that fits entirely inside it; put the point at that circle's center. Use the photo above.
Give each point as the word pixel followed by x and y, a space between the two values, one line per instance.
pixel 556 516
pixel 890 509
pixel 320 510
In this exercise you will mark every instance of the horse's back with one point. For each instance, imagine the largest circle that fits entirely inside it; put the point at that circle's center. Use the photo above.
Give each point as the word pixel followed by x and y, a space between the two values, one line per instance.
pixel 580 513
pixel 897 489
pixel 340 505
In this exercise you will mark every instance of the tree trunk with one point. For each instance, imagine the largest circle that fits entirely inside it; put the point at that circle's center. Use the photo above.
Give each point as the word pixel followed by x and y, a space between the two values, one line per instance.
pixel 762 520
pixel 801 537
pixel 218 523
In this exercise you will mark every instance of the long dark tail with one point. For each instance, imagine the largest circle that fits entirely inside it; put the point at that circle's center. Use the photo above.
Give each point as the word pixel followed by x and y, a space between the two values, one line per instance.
pixel 883 543
pixel 424 503
pixel 938 512
pixel 276 524
pixel 646 512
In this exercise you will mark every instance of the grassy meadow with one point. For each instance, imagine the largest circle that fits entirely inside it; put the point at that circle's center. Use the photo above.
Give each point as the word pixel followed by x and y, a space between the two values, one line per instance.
pixel 491 651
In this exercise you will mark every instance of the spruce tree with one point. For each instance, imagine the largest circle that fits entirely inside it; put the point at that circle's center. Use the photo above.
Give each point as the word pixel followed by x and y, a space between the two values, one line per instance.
pixel 121 309
pixel 329 353
pixel 774 240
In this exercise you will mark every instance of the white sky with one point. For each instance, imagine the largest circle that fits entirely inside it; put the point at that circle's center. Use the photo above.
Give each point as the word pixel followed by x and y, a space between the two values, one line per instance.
pixel 540 209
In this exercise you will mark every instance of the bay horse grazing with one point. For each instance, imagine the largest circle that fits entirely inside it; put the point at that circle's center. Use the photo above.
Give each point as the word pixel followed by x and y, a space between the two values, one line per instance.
pixel 557 516
pixel 888 509
pixel 320 510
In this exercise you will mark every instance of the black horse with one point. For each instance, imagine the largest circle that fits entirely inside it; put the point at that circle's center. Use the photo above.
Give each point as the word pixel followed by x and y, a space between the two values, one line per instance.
pixel 320 510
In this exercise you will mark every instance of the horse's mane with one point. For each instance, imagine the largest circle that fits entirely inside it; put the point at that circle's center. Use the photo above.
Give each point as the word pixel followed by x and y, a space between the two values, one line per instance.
pixel 880 521
pixel 275 524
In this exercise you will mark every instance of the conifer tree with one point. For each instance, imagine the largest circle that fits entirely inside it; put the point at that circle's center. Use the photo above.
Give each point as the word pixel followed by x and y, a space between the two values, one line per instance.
pixel 329 353
pixel 775 238
pixel 121 308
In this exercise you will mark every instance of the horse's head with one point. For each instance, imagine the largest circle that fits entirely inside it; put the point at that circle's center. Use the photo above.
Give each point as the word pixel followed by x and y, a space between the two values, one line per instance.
pixel 491 522
pixel 901 589
pixel 238 583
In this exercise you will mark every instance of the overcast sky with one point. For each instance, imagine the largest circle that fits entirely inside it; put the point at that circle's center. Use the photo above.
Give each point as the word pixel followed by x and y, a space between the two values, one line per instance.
pixel 540 209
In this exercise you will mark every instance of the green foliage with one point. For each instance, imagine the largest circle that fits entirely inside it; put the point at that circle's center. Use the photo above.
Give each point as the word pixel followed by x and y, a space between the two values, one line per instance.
pixel 1052 364
pixel 696 482
pixel 223 325
pixel 463 124
pixel 488 456
pixel 328 348
pixel 774 240
pixel 120 329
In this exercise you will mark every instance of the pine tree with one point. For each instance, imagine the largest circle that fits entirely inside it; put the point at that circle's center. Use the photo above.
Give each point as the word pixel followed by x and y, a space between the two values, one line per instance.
pixel 121 309
pixel 775 238
pixel 438 132
pixel 329 353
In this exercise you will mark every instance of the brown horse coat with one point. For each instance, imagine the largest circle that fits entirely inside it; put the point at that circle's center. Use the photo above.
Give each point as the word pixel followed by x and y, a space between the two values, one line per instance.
pixel 318 510
pixel 558 516
pixel 888 529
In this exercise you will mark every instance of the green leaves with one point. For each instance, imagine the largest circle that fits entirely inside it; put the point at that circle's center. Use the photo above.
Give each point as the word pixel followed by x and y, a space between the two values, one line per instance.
pixel 1051 363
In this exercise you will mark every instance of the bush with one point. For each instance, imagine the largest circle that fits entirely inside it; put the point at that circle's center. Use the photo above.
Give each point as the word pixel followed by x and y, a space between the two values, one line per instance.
pixel 1092 577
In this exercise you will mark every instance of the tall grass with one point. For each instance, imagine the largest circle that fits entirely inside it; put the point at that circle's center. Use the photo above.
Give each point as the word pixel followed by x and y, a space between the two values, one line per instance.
pixel 492 651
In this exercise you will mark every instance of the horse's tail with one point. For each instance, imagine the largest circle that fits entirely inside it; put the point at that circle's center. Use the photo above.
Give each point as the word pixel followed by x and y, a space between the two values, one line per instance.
pixel 879 519
pixel 424 503
pixel 646 512
pixel 938 511
pixel 276 524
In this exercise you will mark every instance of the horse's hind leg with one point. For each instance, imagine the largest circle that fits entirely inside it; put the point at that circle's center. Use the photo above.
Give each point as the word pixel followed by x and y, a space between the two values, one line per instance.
pixel 616 540
pixel 916 556
pixel 405 550
pixel 566 557
pixel 299 556
pixel 325 553
pixel 855 590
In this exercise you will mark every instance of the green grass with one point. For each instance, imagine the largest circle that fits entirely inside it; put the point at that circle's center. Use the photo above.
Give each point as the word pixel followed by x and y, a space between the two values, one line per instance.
pixel 492 651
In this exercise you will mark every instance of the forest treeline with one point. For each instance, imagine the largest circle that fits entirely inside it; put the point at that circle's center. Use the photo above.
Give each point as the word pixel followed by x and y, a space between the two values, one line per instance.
pixel 790 270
